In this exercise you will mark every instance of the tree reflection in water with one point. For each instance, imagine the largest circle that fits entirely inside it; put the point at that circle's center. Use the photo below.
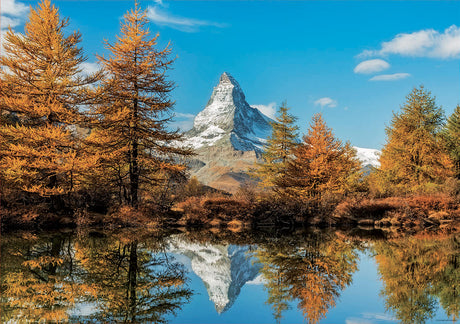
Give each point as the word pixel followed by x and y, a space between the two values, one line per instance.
pixel 45 278
pixel 39 278
pixel 131 277
pixel 135 281
pixel 416 273
pixel 313 272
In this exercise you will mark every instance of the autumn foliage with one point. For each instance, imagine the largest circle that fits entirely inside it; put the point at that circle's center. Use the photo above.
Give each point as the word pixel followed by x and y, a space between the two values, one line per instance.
pixel 42 92
pixel 74 144
pixel 129 122
pixel 321 164
pixel 415 158
pixel 49 107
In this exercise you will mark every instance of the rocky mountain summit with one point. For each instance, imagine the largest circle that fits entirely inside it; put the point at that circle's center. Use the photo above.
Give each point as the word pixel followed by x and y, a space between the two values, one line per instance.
pixel 228 119
pixel 228 136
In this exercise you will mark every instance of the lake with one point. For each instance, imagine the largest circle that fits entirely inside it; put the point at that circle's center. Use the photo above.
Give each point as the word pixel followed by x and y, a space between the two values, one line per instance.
pixel 270 276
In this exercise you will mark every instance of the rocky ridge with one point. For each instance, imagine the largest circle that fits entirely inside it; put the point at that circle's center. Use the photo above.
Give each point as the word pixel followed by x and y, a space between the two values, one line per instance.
pixel 228 136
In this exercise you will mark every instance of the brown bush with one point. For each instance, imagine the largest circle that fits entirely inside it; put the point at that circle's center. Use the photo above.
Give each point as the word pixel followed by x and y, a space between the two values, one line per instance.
pixel 193 210
pixel 247 193
pixel 129 216
pixel 433 202
pixel 403 211
pixel 202 210
pixel 365 208
pixel 275 209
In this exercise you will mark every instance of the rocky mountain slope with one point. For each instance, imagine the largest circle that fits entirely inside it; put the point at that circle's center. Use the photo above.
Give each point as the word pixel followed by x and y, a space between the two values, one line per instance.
pixel 228 136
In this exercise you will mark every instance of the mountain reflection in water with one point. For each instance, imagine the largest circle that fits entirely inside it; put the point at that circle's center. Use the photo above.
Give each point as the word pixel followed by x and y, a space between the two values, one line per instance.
pixel 133 276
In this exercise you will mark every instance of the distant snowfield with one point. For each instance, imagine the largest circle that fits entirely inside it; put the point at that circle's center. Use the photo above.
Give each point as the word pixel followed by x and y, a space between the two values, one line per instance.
pixel 368 156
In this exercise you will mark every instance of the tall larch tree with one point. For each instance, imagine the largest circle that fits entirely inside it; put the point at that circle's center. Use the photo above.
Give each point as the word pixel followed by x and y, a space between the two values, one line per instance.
pixel 135 147
pixel 322 164
pixel 41 91
pixel 452 136
pixel 278 150
pixel 414 155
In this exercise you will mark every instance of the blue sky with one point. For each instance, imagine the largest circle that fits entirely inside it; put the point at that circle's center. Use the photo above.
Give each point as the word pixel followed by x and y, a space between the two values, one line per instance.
pixel 305 52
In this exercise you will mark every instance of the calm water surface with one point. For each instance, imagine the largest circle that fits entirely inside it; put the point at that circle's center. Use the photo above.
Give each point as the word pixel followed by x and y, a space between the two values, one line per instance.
pixel 223 277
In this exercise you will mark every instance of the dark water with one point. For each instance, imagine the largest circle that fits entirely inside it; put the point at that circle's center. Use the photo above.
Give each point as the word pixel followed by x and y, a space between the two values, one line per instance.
pixel 224 277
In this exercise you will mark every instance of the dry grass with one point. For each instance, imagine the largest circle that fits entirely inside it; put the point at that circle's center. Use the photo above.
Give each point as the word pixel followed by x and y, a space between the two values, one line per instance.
pixel 128 216
pixel 213 210
pixel 408 212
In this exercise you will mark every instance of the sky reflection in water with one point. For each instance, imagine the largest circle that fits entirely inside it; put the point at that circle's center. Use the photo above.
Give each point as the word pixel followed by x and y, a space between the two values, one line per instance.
pixel 233 278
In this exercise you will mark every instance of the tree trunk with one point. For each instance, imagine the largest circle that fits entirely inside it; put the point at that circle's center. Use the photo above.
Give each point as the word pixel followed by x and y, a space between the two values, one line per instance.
pixel 132 281
pixel 134 176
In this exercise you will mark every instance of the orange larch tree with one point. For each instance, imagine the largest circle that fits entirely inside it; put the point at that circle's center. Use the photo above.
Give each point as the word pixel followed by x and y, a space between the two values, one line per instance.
pixel 130 132
pixel 414 156
pixel 42 89
pixel 322 164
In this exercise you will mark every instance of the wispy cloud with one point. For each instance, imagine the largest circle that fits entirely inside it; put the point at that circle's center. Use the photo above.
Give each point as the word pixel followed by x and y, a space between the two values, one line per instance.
pixel 89 68
pixel 326 102
pixel 268 110
pixel 353 320
pixel 423 43
pixel 390 77
pixel 380 317
pixel 13 8
pixel 9 22
pixel 182 121
pixel 12 15
pixel 161 17
pixel 371 66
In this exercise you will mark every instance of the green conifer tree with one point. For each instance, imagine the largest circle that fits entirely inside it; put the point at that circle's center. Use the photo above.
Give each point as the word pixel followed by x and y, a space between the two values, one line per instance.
pixel 452 135
pixel 278 150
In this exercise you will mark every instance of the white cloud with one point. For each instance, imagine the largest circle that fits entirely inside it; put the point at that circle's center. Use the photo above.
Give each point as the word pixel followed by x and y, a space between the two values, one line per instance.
pixel 161 17
pixel 423 43
pixel 371 66
pixel 89 68
pixel 268 110
pixel 13 8
pixel 326 102
pixel 390 77
pixel 9 22
pixel 379 317
pixel 182 121
pixel 12 15
pixel 353 320
pixel 181 115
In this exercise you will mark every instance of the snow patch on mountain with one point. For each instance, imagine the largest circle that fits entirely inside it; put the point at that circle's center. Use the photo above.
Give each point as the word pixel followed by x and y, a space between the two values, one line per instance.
pixel 368 156
pixel 227 116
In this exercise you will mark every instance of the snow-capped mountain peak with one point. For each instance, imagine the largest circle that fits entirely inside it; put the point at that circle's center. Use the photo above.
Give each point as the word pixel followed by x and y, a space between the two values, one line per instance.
pixel 228 117
pixel 228 136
